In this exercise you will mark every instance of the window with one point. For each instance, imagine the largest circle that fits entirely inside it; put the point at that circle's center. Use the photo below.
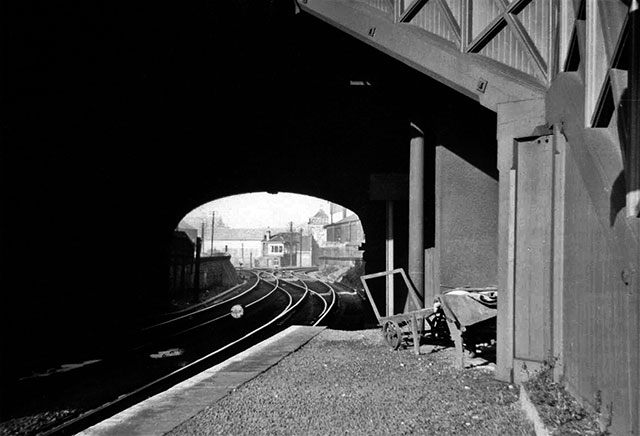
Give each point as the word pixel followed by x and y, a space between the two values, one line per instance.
pixel 276 249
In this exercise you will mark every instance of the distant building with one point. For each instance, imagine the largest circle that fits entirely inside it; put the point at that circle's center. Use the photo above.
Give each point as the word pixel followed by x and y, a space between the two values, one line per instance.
pixel 319 219
pixel 348 229
pixel 244 245
pixel 272 252
pixel 343 242
pixel 188 229
pixel 316 225
pixel 289 249
pixel 337 213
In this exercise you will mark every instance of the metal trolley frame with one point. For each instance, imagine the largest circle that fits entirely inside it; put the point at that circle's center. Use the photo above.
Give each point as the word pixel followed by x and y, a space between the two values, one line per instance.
pixel 398 329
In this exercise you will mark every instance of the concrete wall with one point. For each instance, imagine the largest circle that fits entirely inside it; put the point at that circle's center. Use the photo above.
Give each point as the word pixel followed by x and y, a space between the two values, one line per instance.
pixel 235 248
pixel 339 253
pixel 595 304
pixel 466 223
pixel 217 271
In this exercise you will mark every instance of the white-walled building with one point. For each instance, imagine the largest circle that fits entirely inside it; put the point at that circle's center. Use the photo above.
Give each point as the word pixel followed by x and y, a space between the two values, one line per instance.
pixel 315 226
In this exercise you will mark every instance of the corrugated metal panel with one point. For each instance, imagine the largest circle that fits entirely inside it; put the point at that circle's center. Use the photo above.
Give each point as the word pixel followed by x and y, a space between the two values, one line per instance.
pixel 535 19
pixel 506 49
pixel 483 12
pixel 456 9
pixel 431 19
pixel 382 5
pixel 597 62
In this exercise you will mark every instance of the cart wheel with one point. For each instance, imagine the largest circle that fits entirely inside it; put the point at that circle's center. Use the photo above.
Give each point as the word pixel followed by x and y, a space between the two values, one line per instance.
pixel 392 334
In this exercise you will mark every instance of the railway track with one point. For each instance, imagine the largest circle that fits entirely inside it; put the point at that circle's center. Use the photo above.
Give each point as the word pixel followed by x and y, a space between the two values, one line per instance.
pixel 328 298
pixel 190 341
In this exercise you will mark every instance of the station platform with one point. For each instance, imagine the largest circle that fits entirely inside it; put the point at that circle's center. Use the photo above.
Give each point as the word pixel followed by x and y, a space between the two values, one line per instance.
pixel 161 413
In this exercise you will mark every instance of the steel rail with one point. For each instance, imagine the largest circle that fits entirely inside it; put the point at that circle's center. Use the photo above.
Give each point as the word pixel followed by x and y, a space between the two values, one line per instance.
pixel 148 388
pixel 306 287
pixel 301 298
pixel 333 294
pixel 204 309
pixel 327 307
pixel 275 287
pixel 333 302
pixel 277 281
pixel 212 320
pixel 260 279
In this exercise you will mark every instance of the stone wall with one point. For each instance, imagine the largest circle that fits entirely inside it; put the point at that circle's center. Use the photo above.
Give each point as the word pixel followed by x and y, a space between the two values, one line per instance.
pixel 217 271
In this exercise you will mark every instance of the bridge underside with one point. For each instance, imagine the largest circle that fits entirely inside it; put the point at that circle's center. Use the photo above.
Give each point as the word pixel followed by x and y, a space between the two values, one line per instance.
pixel 120 126
pixel 564 80
pixel 494 59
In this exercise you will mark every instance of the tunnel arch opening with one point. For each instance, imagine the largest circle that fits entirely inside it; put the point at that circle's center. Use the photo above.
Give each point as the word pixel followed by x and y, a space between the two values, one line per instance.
pixel 262 230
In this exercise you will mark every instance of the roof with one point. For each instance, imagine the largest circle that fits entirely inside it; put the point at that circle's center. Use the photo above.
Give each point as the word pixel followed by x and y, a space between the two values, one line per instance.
pixel 183 225
pixel 227 234
pixel 277 238
pixel 188 230
pixel 349 219
pixel 293 237
pixel 321 214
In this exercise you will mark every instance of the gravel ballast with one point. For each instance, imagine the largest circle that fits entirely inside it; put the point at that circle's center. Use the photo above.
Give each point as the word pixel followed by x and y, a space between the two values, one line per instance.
pixel 351 382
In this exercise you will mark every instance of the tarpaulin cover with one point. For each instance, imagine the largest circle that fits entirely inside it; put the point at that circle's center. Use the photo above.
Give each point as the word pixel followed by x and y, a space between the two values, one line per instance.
pixel 471 307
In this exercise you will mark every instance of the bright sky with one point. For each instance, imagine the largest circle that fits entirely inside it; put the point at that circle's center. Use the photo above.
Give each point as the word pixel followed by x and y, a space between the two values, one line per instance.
pixel 261 209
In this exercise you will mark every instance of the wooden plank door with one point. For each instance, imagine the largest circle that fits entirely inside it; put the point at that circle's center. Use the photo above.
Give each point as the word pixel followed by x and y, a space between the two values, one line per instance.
pixel 533 255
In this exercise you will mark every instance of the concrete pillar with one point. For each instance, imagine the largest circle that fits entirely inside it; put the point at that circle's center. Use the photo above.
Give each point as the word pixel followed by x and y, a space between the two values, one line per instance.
pixel 416 210
pixel 389 259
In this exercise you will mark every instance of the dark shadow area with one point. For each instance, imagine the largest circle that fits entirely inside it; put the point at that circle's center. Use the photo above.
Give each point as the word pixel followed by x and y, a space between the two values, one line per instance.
pixel 121 118
pixel 617 198
pixel 480 340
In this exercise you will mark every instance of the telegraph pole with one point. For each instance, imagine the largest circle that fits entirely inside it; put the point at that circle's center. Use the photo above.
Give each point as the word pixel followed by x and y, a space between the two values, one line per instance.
pixel 213 226
pixel 196 273
pixel 300 264
pixel 202 235
pixel 294 255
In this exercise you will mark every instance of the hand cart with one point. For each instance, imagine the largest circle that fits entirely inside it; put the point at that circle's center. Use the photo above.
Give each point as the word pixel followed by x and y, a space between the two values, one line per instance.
pixel 398 329
pixel 470 314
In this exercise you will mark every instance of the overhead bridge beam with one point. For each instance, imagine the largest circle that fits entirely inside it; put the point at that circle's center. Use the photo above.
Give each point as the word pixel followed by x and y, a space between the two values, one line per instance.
pixel 473 75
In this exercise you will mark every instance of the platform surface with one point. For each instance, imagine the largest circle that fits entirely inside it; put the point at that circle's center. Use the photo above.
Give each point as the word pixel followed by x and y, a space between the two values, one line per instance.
pixel 161 413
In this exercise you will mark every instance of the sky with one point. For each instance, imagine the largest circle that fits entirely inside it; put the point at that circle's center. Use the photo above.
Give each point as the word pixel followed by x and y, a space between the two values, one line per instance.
pixel 261 209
